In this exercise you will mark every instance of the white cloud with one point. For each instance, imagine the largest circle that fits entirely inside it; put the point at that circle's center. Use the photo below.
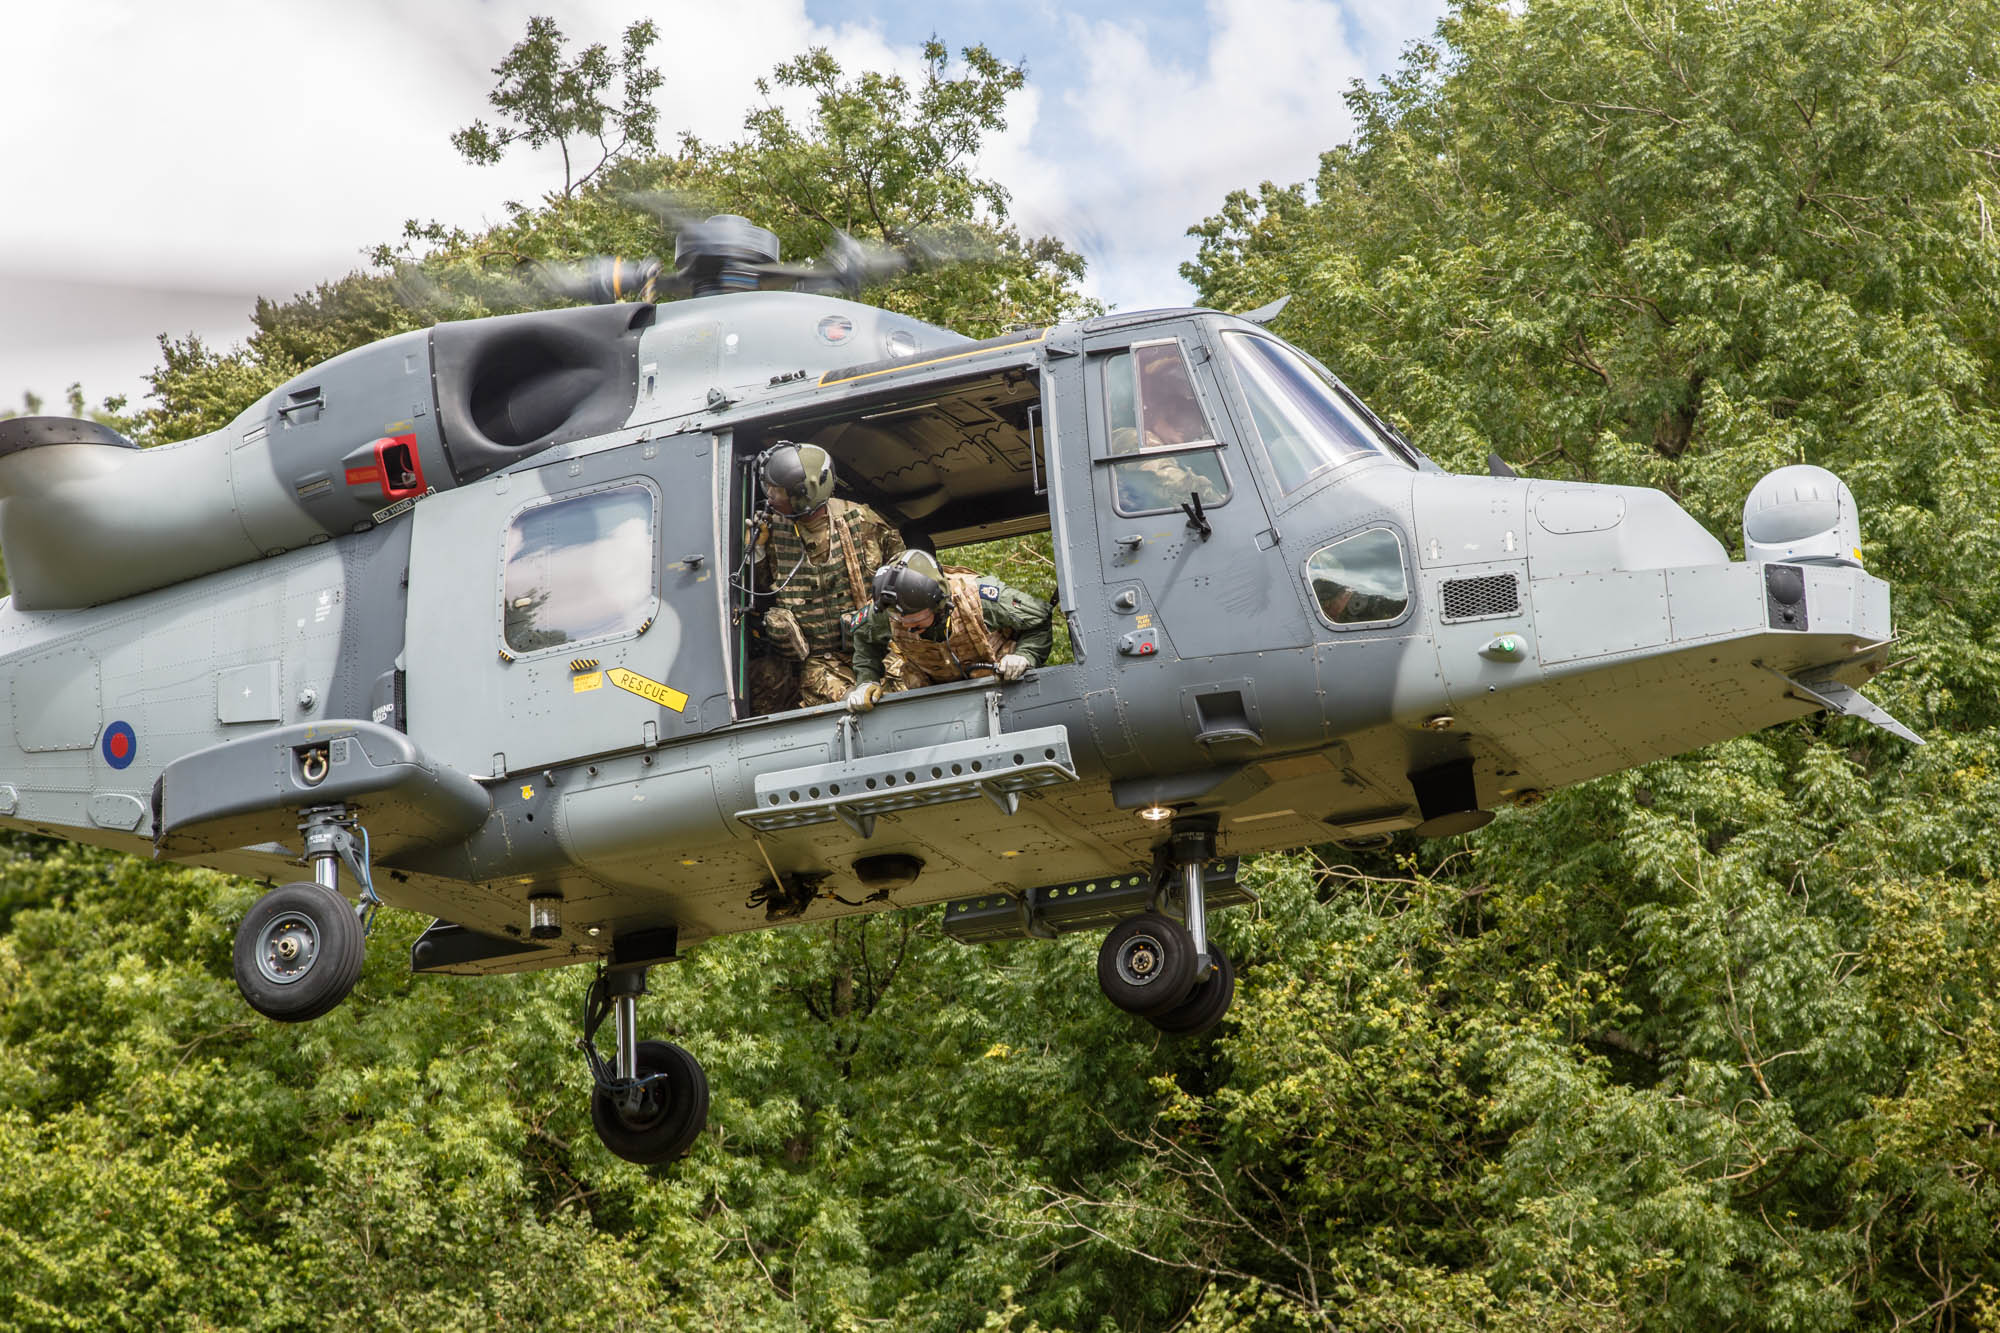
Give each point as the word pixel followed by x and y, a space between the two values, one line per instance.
pixel 1154 144
pixel 233 147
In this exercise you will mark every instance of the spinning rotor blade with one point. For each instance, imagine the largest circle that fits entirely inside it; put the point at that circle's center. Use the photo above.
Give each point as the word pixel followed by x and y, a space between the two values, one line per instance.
pixel 603 279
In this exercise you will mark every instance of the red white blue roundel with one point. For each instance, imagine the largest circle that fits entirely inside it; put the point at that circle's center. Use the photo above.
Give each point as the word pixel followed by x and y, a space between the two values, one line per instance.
pixel 120 745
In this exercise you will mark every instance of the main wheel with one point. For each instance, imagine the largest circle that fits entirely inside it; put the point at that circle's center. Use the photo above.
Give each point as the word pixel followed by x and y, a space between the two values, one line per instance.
pixel 1146 965
pixel 298 952
pixel 1206 1003
pixel 672 1112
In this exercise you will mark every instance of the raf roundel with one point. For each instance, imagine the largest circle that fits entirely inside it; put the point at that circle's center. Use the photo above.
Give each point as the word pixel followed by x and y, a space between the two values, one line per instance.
pixel 120 745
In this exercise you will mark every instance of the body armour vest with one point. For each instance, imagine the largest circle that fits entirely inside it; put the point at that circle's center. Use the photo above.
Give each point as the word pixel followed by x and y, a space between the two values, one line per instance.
pixel 816 592
pixel 967 637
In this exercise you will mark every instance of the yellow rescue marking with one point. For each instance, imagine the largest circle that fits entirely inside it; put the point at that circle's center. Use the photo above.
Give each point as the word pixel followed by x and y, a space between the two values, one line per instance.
pixel 1144 622
pixel 666 696
pixel 591 680
pixel 527 793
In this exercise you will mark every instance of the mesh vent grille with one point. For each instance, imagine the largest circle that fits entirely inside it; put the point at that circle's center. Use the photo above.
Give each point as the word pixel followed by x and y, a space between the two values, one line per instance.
pixel 1480 598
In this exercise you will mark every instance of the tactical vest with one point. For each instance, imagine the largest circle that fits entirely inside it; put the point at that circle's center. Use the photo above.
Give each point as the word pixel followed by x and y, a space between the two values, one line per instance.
pixel 967 637
pixel 815 592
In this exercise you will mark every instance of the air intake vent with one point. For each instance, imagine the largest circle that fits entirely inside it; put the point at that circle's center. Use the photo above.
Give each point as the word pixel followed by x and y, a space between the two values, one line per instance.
pixel 1480 598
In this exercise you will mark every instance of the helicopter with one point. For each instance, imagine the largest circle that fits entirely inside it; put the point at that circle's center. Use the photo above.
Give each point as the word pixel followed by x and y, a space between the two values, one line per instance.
pixel 459 619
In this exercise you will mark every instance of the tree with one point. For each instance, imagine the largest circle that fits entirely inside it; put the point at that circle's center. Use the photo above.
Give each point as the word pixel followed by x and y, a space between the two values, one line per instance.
pixel 550 102
pixel 1677 245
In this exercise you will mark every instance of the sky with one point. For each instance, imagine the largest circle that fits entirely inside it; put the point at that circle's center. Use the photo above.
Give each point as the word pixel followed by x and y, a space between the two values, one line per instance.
pixel 168 161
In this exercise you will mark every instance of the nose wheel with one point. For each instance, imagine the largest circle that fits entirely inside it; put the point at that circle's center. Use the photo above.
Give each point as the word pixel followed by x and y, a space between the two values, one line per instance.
pixel 650 1100
pixel 1168 973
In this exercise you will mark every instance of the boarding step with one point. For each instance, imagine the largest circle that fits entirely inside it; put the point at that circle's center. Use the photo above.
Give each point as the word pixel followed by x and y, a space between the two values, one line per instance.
pixel 857 790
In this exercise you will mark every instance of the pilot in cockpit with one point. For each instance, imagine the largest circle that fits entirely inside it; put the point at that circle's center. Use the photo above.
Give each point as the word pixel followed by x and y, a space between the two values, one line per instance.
pixel 1163 414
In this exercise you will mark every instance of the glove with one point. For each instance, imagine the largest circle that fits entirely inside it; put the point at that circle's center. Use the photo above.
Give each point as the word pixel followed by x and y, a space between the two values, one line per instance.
pixel 862 697
pixel 1013 666
pixel 782 631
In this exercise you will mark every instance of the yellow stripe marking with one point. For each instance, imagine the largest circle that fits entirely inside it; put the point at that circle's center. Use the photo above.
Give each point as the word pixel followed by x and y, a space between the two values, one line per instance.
pixel 836 377
pixel 666 696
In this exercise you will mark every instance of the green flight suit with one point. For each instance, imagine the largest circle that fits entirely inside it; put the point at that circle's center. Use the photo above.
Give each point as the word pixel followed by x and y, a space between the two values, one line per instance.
pixel 1013 621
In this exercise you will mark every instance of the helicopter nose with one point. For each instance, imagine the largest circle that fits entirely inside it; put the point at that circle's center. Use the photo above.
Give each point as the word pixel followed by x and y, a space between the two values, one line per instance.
pixel 1468 526
pixel 1576 529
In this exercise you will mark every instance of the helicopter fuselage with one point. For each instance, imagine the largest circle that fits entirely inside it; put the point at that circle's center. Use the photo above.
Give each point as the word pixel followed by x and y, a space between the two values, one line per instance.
pixel 484 585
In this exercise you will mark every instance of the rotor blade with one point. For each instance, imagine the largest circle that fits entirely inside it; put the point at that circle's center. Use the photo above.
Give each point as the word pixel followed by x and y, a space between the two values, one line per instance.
pixel 939 246
pixel 674 208
pixel 600 280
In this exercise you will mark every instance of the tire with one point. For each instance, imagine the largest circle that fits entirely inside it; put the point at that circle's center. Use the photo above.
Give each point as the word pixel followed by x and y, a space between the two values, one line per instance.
pixel 674 1116
pixel 1206 1003
pixel 1146 965
pixel 298 952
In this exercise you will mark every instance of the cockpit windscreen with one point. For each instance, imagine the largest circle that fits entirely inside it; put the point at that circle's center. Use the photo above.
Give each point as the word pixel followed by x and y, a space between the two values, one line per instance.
pixel 1307 425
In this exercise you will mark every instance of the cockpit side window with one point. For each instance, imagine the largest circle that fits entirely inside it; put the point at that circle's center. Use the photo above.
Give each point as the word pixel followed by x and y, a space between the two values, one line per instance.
pixel 1153 415
pixel 1360 580
pixel 579 569
pixel 1308 426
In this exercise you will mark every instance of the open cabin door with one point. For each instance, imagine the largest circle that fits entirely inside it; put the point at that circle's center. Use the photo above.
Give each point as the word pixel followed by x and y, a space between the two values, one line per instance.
pixel 569 610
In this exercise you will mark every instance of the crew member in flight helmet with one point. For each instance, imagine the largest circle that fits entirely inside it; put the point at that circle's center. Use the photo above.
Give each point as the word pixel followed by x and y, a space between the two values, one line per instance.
pixel 812 556
pixel 945 623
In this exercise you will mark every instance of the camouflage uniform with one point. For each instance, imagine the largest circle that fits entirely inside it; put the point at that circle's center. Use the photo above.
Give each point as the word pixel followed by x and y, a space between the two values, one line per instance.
pixel 815 577
pixel 985 621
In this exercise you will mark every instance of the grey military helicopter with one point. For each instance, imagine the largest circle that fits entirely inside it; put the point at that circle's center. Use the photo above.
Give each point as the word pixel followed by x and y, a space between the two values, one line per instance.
pixel 460 616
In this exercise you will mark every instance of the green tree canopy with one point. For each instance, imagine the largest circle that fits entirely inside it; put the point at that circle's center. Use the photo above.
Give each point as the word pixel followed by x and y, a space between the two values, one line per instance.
pixel 1711 1045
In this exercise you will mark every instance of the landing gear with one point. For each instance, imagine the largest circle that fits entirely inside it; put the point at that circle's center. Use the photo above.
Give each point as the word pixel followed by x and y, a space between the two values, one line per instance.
pixel 298 952
pixel 1206 1003
pixel 300 948
pixel 1147 964
pixel 1165 972
pixel 650 1102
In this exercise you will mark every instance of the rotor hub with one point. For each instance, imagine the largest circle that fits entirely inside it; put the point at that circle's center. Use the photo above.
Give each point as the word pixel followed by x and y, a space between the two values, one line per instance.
pixel 719 254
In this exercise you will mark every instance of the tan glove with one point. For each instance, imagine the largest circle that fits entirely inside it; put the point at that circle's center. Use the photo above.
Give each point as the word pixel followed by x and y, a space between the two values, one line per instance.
pixel 1013 666
pixel 862 697
pixel 781 630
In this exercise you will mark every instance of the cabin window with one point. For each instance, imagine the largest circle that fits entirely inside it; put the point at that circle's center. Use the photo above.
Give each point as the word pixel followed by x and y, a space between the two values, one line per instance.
pixel 1308 424
pixel 579 568
pixel 1360 580
pixel 1154 416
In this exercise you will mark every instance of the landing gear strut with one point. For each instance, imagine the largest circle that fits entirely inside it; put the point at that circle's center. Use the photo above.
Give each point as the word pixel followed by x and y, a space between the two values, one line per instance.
pixel 650 1102
pixel 1170 974
pixel 300 948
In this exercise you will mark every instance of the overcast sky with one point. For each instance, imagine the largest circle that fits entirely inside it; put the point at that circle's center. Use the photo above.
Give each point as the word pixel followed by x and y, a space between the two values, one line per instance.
pixel 168 162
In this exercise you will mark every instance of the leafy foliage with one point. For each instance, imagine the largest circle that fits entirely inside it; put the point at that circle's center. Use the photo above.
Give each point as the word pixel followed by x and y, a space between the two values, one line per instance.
pixel 1709 1045
pixel 553 103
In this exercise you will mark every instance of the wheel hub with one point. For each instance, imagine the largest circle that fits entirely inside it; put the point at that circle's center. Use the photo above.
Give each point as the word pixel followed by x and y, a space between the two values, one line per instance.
pixel 288 949
pixel 1139 961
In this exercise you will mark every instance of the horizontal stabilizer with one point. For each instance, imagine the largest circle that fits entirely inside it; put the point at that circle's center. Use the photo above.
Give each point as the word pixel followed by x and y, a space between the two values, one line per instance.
pixel 1835 697
pixel 37 453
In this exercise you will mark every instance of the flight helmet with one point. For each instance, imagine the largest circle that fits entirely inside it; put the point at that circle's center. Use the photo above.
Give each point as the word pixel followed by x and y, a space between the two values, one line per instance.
pixel 910 583
pixel 801 473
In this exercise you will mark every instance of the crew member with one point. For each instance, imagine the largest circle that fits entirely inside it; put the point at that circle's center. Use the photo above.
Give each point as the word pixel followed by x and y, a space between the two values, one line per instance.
pixel 812 557
pixel 945 623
